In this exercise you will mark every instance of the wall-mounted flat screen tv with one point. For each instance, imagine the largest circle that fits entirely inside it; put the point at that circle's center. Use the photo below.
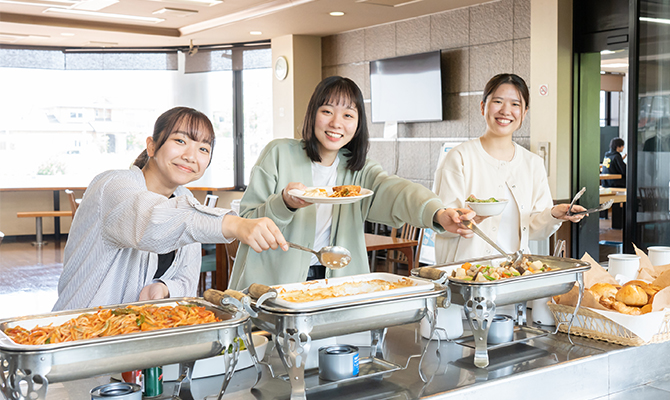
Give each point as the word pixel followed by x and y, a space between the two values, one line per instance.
pixel 407 88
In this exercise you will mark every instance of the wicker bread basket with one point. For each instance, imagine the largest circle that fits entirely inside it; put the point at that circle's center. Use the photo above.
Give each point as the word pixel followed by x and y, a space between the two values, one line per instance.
pixel 595 326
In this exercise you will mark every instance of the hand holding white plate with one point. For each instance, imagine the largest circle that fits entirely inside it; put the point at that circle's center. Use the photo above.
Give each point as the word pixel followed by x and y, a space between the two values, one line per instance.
pixel 328 191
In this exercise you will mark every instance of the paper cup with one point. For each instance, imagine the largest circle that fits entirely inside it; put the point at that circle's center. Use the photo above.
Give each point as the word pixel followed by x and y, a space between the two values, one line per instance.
pixel 625 265
pixel 659 255
pixel 448 319
pixel 541 313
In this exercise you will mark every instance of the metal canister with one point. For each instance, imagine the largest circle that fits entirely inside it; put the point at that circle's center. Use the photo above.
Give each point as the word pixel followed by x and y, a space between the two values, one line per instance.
pixel 338 362
pixel 152 380
pixel 117 391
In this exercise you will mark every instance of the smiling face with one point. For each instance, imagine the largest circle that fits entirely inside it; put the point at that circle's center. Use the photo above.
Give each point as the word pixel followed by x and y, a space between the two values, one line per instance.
pixel 334 127
pixel 504 110
pixel 180 160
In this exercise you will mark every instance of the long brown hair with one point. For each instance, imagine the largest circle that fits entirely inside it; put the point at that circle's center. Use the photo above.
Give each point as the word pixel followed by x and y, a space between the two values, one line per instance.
pixel 332 90
pixel 195 124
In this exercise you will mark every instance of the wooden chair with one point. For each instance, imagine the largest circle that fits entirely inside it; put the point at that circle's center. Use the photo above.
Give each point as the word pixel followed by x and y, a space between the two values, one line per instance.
pixel 73 201
pixel 211 200
pixel 224 273
pixel 394 257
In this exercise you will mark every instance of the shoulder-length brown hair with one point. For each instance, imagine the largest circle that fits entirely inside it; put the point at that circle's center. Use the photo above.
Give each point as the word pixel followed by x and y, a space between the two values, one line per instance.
pixel 192 122
pixel 333 90
pixel 512 79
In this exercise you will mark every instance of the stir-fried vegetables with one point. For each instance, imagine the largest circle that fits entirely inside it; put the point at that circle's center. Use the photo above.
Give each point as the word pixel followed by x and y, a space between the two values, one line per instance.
pixel 484 273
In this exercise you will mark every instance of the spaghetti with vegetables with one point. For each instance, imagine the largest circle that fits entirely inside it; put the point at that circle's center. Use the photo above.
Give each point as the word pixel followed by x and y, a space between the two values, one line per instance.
pixel 112 322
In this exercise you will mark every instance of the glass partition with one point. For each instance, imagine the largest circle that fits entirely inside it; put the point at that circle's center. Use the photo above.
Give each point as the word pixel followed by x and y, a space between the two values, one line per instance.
pixel 653 126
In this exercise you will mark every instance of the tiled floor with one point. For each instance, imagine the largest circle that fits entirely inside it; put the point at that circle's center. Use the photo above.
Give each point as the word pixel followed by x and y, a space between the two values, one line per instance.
pixel 29 277
pixel 606 231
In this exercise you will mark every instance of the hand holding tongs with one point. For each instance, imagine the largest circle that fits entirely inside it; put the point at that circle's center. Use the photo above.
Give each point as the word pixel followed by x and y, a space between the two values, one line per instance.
pixel 514 258
pixel 579 194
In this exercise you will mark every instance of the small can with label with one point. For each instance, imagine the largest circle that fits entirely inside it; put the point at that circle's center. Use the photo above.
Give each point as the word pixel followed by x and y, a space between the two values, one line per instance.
pixel 338 362
pixel 152 381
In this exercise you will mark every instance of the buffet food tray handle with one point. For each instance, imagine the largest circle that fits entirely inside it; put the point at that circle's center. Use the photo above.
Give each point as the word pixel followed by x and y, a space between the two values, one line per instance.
pixel 230 297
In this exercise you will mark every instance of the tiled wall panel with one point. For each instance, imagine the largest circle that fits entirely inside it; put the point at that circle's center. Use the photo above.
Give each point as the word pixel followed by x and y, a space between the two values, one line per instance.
pixel 475 42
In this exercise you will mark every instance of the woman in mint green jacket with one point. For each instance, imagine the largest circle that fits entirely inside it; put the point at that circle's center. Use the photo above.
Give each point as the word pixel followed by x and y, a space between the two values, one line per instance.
pixel 332 152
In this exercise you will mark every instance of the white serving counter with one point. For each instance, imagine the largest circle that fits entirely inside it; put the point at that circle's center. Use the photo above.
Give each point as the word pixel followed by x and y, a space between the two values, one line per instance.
pixel 546 367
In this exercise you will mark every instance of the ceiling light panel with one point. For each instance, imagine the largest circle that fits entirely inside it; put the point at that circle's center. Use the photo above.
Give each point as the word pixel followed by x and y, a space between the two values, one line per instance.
pixel 174 12
pixel 40 3
pixel 389 3
pixel 101 15
pixel 94 5
pixel 201 2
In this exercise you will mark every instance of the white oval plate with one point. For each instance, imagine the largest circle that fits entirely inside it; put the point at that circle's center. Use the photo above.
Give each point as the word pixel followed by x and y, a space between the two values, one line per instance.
pixel 329 200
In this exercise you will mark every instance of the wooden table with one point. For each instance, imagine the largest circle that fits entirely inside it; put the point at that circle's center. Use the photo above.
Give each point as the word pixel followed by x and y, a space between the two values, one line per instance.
pixel 380 242
pixel 618 195
pixel 38 221
pixel 609 176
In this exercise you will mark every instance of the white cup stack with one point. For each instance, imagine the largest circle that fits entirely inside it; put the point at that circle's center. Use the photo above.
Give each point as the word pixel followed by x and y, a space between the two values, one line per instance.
pixel 659 255
pixel 624 267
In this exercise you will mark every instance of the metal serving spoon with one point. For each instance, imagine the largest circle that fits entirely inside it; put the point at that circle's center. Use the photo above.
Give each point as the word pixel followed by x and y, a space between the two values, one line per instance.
pixel 333 257
pixel 514 258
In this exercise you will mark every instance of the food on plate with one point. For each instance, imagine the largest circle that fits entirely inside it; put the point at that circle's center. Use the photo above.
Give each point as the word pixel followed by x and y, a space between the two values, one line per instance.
pixel 634 298
pixel 316 192
pixel 111 322
pixel 473 199
pixel 346 191
pixel 485 273
pixel 311 293
pixel 239 341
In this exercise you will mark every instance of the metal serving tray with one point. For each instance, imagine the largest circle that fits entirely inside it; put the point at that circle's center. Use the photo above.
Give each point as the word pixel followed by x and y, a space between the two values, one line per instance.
pixel 294 329
pixel 479 299
pixel 420 285
pixel 90 357
pixel 518 289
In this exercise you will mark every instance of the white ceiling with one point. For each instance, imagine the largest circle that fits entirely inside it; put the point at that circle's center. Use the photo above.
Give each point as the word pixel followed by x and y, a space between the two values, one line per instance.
pixel 28 23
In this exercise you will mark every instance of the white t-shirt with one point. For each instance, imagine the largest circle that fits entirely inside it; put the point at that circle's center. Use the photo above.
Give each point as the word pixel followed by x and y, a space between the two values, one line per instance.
pixel 323 176
pixel 509 238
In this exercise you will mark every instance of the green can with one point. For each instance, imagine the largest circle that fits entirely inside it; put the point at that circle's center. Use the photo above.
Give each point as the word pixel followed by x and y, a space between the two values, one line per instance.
pixel 152 381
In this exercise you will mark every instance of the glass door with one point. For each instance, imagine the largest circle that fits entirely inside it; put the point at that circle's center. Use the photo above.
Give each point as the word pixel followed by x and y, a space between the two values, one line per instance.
pixel 650 213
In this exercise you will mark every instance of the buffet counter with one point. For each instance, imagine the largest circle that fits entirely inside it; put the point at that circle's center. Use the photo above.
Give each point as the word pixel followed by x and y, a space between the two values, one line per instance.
pixel 548 366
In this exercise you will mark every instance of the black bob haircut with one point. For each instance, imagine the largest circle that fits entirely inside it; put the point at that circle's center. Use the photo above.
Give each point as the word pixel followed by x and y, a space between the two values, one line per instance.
pixel 335 90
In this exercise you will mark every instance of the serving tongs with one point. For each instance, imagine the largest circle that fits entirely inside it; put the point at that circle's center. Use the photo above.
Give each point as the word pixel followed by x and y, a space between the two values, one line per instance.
pixel 606 205
pixel 515 258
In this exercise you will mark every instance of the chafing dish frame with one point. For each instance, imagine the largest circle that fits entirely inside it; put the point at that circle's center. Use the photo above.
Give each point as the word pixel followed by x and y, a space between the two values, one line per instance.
pixel 297 328
pixel 27 370
pixel 479 299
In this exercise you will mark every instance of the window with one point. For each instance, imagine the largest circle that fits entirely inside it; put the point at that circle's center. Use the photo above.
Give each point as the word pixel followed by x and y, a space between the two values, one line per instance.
pixel 66 117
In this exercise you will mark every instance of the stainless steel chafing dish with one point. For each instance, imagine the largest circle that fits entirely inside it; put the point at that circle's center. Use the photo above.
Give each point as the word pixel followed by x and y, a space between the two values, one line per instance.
pixel 294 329
pixel 479 299
pixel 35 366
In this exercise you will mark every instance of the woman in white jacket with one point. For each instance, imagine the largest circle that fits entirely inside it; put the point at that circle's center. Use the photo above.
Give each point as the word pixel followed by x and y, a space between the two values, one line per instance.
pixel 494 166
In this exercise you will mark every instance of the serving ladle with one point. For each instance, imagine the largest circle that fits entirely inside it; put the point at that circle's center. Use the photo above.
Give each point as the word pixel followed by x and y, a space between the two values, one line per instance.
pixel 333 257
pixel 515 258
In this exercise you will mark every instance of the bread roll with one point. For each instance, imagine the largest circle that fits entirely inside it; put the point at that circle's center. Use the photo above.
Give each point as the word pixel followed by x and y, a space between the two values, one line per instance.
pixel 600 289
pixel 612 304
pixel 632 295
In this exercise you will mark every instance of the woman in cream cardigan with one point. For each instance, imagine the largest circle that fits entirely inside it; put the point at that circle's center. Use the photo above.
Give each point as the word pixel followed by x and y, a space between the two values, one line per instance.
pixel 494 166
